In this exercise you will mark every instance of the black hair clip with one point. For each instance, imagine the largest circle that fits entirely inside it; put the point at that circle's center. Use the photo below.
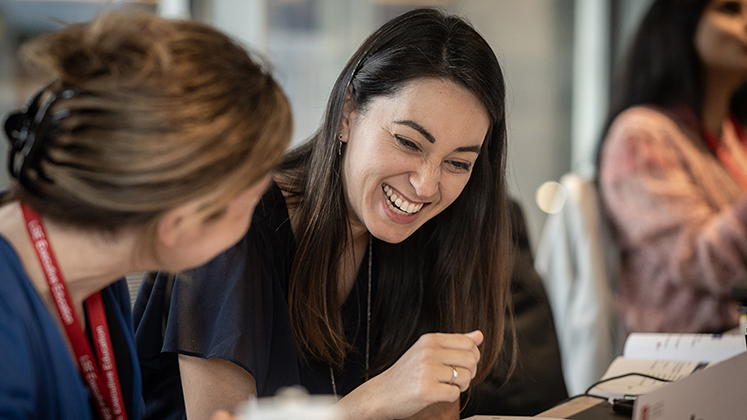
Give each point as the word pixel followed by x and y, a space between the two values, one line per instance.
pixel 28 131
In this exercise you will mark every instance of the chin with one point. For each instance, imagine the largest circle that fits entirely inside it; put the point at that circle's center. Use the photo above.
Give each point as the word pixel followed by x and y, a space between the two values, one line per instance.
pixel 392 237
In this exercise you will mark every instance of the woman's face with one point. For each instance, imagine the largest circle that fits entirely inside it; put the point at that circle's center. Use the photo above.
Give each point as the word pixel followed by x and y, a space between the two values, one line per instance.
pixel 200 239
pixel 721 37
pixel 409 156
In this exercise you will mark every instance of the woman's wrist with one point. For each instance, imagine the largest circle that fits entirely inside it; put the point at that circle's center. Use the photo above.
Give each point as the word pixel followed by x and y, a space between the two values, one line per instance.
pixel 363 402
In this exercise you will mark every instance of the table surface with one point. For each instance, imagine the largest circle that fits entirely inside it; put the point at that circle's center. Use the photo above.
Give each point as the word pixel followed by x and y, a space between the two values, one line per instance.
pixel 561 411
pixel 571 407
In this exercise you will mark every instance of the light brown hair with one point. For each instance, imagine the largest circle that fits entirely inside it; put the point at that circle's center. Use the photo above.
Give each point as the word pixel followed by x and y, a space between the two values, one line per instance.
pixel 162 112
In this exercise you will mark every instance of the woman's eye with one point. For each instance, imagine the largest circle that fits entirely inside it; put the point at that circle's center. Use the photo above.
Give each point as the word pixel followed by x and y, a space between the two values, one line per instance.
pixel 407 143
pixel 730 7
pixel 459 166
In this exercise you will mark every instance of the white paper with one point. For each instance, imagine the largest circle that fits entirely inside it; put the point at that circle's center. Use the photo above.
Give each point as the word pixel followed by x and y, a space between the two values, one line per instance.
pixel 693 347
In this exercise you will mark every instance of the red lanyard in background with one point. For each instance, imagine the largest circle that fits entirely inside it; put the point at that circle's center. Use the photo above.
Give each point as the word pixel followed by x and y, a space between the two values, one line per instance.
pixel 723 155
pixel 105 388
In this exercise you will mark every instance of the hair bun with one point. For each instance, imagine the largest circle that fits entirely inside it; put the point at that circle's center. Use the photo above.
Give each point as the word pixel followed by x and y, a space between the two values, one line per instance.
pixel 115 46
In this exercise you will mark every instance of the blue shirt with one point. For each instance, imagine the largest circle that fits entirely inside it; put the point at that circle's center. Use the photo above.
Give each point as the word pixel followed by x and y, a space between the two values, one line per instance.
pixel 38 376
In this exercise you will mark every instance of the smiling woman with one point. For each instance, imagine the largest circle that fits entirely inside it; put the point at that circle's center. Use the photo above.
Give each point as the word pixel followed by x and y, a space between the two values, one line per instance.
pixel 412 150
pixel 376 267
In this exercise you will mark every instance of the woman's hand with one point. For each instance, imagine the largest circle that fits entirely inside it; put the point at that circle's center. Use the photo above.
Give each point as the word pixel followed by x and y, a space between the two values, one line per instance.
pixel 437 368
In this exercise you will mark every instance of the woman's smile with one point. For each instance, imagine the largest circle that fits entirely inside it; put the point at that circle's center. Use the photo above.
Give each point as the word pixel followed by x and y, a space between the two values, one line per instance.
pixel 399 204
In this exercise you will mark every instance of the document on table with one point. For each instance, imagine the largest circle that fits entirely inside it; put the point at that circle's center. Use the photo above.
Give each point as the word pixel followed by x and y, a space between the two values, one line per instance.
pixel 693 347
pixel 664 356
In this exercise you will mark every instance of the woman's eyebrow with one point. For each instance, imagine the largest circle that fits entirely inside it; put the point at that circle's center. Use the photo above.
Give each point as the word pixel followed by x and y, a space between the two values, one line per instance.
pixel 475 149
pixel 412 124
pixel 428 136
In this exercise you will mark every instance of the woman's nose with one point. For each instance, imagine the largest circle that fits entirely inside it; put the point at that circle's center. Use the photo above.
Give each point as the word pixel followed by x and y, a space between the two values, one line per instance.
pixel 425 180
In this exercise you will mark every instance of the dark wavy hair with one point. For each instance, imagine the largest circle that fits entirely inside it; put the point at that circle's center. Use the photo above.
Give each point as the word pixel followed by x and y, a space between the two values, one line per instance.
pixel 452 274
pixel 662 67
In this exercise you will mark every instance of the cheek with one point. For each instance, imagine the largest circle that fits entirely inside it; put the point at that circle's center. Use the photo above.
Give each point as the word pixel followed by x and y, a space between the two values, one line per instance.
pixel 452 189
pixel 717 45
pixel 251 206
pixel 369 166
pixel 245 216
pixel 242 224
pixel 239 216
pixel 704 42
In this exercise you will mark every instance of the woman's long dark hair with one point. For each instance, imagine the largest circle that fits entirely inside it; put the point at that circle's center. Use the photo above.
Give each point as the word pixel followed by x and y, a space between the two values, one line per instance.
pixel 662 67
pixel 451 275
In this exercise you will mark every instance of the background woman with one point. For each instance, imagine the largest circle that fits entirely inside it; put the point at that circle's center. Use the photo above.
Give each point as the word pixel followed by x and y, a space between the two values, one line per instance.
pixel 379 251
pixel 148 151
pixel 673 167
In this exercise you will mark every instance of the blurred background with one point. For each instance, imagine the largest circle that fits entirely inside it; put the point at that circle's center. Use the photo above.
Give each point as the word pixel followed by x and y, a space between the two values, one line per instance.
pixel 558 58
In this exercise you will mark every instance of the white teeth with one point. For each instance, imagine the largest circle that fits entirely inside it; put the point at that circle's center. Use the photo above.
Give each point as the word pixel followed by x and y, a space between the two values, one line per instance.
pixel 399 205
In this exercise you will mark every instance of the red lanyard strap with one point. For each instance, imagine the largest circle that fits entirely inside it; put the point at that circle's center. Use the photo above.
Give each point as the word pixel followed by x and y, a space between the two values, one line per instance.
pixel 109 404
pixel 723 155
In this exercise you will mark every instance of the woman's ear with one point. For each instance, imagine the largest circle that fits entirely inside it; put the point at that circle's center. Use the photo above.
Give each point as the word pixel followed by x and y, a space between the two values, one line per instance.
pixel 174 224
pixel 168 228
pixel 348 110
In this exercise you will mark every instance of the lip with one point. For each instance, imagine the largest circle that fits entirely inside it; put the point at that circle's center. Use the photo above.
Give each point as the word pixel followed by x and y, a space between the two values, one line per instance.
pixel 396 217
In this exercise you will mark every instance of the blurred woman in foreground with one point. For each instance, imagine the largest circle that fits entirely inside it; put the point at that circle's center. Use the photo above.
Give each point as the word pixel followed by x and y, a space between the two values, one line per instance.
pixel 147 151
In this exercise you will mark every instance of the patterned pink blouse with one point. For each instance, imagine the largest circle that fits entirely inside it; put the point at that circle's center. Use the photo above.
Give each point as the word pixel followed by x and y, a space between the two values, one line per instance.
pixel 680 219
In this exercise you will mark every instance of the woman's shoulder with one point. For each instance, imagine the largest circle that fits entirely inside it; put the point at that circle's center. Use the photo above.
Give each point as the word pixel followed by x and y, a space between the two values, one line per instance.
pixel 33 352
pixel 272 207
pixel 645 138
pixel 15 282
pixel 664 129
pixel 271 226
pixel 654 120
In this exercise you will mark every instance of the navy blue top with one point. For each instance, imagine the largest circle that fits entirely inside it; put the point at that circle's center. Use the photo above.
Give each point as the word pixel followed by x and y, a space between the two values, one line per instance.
pixel 235 308
pixel 38 376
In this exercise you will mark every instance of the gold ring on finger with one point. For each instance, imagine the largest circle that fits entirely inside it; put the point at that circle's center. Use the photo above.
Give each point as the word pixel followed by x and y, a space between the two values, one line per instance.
pixel 454 375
